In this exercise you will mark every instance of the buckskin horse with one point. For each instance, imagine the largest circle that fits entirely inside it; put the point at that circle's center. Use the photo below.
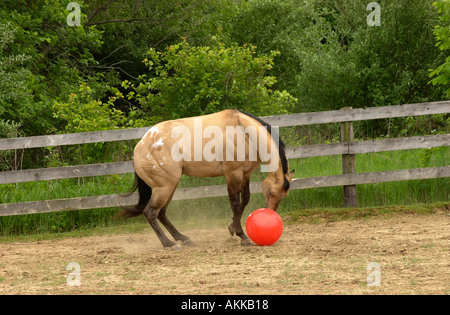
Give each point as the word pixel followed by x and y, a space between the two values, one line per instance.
pixel 240 144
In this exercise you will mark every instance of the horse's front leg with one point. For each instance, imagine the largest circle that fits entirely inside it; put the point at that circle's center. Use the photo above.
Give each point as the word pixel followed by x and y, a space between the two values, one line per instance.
pixel 237 190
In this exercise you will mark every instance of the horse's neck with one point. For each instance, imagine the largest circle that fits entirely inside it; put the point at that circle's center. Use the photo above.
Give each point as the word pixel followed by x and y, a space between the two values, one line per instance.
pixel 269 148
pixel 278 173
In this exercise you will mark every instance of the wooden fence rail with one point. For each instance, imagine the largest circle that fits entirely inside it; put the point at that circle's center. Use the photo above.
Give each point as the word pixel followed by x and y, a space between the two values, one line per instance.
pixel 106 201
pixel 339 148
pixel 347 148
pixel 302 119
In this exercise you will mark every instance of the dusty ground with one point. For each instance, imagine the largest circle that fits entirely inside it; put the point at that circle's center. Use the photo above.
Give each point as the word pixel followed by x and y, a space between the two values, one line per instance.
pixel 413 252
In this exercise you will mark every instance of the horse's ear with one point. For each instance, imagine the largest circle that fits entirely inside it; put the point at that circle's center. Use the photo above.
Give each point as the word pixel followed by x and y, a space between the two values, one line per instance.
pixel 291 174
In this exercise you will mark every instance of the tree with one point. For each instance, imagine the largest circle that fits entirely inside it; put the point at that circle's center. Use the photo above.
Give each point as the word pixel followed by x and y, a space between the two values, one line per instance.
pixel 331 58
pixel 274 25
pixel 130 28
pixel 366 65
pixel 41 59
pixel 15 82
pixel 442 33
pixel 187 80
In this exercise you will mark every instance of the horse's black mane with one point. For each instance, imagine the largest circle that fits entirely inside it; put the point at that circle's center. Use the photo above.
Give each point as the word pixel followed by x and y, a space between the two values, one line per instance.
pixel 281 146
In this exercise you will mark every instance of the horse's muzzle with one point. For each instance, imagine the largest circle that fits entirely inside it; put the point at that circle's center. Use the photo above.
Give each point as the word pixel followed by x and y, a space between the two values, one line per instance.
pixel 272 205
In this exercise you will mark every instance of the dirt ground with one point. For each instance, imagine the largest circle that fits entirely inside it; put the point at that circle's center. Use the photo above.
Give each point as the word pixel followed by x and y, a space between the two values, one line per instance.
pixel 411 250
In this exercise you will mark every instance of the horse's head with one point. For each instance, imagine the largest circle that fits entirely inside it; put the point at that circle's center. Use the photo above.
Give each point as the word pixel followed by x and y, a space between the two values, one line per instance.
pixel 275 187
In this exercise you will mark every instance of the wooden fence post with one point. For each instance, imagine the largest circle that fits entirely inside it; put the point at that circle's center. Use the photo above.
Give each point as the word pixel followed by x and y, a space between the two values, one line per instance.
pixel 348 163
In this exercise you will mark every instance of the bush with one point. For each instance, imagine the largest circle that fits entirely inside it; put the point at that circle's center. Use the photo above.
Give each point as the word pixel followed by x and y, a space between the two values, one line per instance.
pixel 189 80
pixel 442 33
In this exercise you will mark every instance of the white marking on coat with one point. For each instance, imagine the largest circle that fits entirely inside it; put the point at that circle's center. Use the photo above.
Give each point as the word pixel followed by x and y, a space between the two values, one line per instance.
pixel 152 131
pixel 159 143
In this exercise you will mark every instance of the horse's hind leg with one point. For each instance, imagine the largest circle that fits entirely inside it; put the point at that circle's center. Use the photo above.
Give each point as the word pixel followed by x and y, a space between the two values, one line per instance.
pixel 152 210
pixel 170 227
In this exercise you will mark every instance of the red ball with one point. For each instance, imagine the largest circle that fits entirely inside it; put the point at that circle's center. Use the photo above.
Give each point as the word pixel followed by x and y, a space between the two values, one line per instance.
pixel 264 226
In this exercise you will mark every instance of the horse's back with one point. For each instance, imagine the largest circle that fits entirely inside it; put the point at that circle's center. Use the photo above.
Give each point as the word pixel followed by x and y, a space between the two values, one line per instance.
pixel 154 154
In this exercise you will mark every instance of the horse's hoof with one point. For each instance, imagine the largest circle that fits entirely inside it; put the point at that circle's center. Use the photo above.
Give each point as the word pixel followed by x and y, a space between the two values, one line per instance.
pixel 188 242
pixel 246 242
pixel 175 247
pixel 231 229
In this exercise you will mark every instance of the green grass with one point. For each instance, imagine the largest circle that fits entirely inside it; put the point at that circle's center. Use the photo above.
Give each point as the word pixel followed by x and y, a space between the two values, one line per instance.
pixel 303 216
pixel 340 214
pixel 382 194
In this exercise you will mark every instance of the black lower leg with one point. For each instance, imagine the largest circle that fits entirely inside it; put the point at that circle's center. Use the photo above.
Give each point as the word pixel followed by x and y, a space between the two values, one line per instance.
pixel 171 228
pixel 234 196
pixel 152 214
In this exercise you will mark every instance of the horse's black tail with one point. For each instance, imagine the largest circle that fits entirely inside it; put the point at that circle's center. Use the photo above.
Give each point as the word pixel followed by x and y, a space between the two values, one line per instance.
pixel 145 193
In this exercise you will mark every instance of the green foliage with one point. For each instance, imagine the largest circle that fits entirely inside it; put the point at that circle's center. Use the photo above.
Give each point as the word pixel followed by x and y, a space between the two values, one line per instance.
pixel 82 112
pixel 442 33
pixel 275 25
pixel 187 80
pixel 388 67
pixel 130 28
pixel 330 58
pixel 8 129
pixel 41 58
pixel 15 79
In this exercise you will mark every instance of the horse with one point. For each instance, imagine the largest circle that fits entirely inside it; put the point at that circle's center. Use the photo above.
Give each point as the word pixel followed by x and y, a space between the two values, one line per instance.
pixel 238 142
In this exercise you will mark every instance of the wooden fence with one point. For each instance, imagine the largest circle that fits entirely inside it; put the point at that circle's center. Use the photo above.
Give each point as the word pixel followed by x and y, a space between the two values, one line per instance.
pixel 347 148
